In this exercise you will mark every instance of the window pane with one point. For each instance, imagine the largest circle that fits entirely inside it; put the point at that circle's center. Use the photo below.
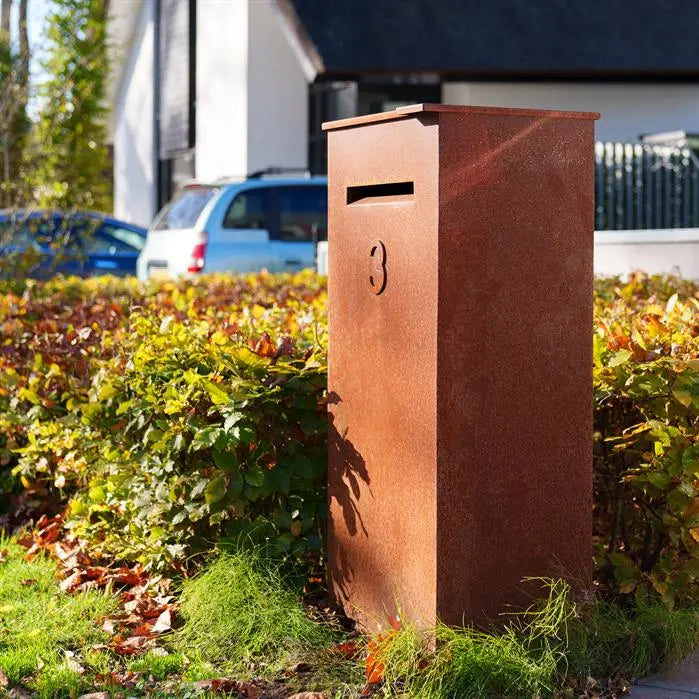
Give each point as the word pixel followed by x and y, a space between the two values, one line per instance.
pixel 248 210
pixel 183 211
pixel 130 238
pixel 303 213
pixel 101 243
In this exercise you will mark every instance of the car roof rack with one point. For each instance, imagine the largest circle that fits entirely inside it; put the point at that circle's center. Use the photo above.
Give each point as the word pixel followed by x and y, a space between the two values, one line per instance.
pixel 276 170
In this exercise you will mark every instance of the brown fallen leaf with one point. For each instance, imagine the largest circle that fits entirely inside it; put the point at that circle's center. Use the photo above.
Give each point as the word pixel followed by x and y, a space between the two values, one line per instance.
pixel 3 555
pixel 108 626
pixel 25 540
pixel 49 534
pixel 125 678
pixel 28 582
pixel 227 684
pixel 95 572
pixel 129 646
pixel 349 649
pixel 300 667
pixel 164 623
pixel 73 664
pixel 143 629
pixel 32 552
pixel 156 611
pixel 308 695
pixel 71 583
pixel 4 679
pixel 128 576
pixel 95 695
pixel 247 690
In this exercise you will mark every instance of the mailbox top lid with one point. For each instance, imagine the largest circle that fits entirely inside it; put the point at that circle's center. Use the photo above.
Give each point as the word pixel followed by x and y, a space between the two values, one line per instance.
pixel 413 109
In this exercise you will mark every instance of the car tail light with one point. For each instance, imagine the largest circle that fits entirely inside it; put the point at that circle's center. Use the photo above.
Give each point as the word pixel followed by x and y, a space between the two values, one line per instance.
pixel 196 264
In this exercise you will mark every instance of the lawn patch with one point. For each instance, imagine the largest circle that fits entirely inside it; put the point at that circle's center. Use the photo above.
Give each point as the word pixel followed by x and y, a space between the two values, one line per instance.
pixel 241 613
pixel 606 639
pixel 39 623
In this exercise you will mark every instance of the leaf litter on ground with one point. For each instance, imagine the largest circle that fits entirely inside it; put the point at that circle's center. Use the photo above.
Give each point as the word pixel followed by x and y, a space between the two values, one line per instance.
pixel 148 610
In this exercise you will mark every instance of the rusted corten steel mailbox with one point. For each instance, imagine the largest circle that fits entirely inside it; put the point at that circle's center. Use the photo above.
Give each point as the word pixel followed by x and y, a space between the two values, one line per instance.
pixel 460 355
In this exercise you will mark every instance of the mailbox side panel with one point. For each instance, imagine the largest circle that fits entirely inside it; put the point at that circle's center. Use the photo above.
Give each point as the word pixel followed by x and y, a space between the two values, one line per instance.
pixel 382 369
pixel 514 358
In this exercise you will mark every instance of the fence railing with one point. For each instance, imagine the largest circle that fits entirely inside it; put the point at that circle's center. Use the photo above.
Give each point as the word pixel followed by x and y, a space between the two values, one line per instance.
pixel 645 186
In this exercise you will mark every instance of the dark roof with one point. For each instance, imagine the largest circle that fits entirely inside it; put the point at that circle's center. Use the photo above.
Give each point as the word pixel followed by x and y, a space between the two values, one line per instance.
pixel 585 38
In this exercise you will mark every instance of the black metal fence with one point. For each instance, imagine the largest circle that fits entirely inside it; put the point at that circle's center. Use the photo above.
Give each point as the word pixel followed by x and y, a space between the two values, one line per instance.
pixel 640 186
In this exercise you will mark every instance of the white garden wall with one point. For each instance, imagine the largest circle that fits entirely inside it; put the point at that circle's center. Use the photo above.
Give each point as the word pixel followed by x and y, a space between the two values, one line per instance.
pixel 671 251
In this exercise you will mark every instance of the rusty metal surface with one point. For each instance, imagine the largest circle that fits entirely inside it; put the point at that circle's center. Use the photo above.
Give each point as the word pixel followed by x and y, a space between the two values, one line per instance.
pixel 459 360
pixel 382 373
pixel 413 109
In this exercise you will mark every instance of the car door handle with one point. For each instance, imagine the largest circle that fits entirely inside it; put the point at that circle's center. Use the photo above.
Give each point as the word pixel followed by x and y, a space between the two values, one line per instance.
pixel 105 264
pixel 293 263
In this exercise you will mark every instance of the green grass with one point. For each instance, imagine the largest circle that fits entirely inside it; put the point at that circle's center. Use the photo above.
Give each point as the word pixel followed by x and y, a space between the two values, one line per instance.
pixel 58 680
pixel 537 650
pixel 38 622
pixel 243 618
pixel 243 615
pixel 607 640
pixel 521 659
pixel 159 667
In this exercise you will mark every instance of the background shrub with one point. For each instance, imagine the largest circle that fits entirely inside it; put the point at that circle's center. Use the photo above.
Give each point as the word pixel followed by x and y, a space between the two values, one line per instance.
pixel 646 448
pixel 173 417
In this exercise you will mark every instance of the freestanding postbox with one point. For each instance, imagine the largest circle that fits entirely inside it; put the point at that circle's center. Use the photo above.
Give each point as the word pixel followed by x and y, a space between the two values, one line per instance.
pixel 460 359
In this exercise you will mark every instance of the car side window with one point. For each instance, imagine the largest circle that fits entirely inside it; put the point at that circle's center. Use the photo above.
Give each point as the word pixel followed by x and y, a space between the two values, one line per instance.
pixel 303 213
pixel 128 239
pixel 103 242
pixel 58 234
pixel 249 209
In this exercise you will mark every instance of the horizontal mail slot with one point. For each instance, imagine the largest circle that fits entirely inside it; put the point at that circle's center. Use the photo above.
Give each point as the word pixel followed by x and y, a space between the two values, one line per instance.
pixel 377 193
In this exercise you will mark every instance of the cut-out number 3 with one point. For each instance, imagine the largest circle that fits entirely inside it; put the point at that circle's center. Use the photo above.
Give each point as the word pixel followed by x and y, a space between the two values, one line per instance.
pixel 377 266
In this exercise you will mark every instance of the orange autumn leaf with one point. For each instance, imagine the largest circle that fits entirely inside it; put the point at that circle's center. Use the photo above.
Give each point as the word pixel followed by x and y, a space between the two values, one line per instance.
pixel 265 347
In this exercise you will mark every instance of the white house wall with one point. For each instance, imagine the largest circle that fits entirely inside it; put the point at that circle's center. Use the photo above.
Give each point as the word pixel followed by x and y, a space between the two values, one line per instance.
pixel 134 159
pixel 627 109
pixel 252 95
pixel 222 88
pixel 277 94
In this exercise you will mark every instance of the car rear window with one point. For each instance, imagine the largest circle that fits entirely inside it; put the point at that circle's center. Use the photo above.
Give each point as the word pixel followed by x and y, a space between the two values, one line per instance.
pixel 303 213
pixel 184 210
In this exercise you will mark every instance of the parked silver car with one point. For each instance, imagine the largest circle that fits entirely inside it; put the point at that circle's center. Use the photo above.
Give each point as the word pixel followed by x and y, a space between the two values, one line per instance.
pixel 272 224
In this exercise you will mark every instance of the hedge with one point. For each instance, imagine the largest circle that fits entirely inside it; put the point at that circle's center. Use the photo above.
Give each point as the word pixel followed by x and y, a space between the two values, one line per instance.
pixel 646 446
pixel 170 417
pixel 175 417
